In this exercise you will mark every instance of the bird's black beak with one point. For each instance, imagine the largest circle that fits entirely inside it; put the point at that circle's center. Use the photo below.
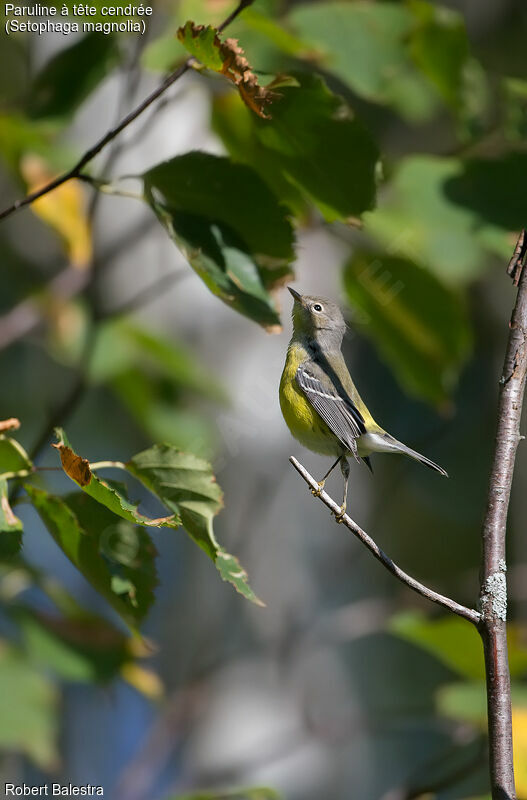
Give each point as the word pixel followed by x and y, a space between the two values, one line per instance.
pixel 296 295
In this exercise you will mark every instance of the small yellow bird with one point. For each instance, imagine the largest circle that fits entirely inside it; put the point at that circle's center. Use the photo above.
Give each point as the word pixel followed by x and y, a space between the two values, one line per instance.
pixel 319 401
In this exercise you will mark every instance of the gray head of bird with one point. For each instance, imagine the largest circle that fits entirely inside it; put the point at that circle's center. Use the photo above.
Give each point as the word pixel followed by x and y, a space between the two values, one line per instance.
pixel 317 318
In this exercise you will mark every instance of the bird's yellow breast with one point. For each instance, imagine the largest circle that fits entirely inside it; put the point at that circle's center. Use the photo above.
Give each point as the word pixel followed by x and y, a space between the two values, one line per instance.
pixel 303 421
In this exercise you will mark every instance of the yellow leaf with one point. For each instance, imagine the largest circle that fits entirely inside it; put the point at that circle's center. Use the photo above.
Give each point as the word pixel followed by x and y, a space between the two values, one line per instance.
pixel 144 680
pixel 63 209
pixel 519 731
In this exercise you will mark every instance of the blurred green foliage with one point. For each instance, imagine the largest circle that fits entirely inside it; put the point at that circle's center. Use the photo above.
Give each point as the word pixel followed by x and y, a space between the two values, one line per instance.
pixel 29 706
pixel 387 131
pixel 240 794
pixel 53 93
pixel 419 325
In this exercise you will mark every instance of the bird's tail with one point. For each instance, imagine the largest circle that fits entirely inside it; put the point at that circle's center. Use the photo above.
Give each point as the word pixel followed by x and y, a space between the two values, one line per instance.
pixel 402 448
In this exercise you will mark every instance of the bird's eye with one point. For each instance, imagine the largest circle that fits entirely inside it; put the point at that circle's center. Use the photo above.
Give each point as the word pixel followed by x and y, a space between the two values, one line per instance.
pixel 317 307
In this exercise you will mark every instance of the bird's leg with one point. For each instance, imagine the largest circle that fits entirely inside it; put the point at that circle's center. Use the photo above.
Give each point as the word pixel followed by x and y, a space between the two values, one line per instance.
pixel 316 492
pixel 345 467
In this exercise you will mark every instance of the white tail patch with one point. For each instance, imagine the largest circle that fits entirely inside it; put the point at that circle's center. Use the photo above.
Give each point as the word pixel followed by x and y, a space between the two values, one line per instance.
pixel 384 443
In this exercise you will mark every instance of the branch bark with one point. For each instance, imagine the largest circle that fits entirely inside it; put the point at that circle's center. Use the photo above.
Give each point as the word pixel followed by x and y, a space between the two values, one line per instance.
pixel 493 592
pixel 469 614
pixel 90 154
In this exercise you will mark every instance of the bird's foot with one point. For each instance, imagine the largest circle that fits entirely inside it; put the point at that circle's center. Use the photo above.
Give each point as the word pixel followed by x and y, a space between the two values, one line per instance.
pixel 341 513
pixel 318 492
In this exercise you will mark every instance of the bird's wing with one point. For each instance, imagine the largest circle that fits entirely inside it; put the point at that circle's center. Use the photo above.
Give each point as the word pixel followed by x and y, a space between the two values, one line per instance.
pixel 336 409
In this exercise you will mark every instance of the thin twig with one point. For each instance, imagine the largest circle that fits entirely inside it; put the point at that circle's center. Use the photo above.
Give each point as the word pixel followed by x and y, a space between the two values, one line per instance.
pixel 107 187
pixel 493 593
pixel 90 154
pixel 467 613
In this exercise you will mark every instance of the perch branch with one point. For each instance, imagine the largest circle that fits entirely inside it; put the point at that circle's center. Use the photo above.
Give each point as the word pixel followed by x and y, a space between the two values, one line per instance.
pixel 468 613
pixel 90 154
pixel 493 593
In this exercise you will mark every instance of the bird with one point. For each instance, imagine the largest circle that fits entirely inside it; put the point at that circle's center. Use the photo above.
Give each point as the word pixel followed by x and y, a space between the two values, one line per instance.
pixel 319 401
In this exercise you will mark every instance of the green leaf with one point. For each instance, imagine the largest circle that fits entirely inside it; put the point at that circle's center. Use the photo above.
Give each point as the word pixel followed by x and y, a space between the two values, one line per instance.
pixel 259 793
pixel 164 53
pixel 234 124
pixel 203 43
pixel 514 99
pixel 419 326
pixel 70 76
pixel 203 184
pixel 19 135
pixel 439 47
pixel 275 32
pixel 365 45
pixel 78 469
pixel 266 42
pixel 84 648
pixel 457 644
pixel 466 701
pixel 157 380
pixel 75 644
pixel 10 526
pixel 474 109
pixel 173 360
pixel 116 558
pixel 313 149
pixel 427 217
pixel 14 71
pixel 29 710
pixel 13 457
pixel 316 142
pixel 482 187
pixel 186 485
pixel 159 410
pixel 228 225
pixel 451 639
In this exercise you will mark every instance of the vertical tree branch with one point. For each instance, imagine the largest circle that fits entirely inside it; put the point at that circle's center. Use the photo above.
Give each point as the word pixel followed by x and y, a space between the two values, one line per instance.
pixel 493 594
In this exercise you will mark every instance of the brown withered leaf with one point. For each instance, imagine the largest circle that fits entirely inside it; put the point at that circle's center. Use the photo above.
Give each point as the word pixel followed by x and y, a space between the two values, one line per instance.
pixel 226 58
pixel 76 467
pixel 79 470
pixel 238 70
